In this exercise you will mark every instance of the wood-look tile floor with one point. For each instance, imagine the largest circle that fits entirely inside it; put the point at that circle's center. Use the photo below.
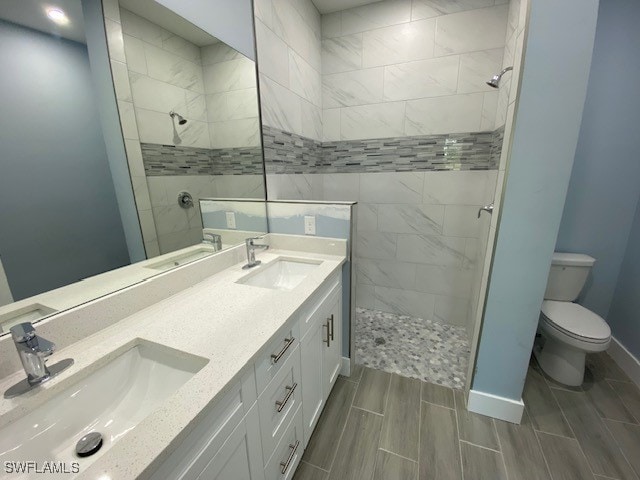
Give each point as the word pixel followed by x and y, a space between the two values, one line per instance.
pixel 380 426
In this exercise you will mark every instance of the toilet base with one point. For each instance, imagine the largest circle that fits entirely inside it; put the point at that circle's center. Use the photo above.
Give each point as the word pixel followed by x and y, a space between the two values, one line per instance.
pixel 561 362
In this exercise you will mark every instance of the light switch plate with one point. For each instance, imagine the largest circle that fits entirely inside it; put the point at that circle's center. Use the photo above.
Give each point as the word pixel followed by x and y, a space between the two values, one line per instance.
pixel 231 220
pixel 309 225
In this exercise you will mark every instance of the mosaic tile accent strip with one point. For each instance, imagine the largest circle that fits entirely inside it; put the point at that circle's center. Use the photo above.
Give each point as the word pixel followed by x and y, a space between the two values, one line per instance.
pixel 412 347
pixel 286 152
pixel 290 153
pixel 162 160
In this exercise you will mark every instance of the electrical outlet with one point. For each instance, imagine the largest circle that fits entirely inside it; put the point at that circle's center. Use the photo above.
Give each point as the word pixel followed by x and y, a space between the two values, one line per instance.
pixel 231 220
pixel 309 225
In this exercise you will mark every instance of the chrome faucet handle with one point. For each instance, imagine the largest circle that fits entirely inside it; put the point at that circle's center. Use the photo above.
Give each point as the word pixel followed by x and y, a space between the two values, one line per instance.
pixel 214 239
pixel 22 332
pixel 258 245
pixel 25 333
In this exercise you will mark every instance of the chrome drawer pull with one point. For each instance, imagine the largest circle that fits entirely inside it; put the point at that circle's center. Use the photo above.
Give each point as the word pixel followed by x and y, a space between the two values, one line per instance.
pixel 331 319
pixel 277 356
pixel 285 465
pixel 328 327
pixel 281 404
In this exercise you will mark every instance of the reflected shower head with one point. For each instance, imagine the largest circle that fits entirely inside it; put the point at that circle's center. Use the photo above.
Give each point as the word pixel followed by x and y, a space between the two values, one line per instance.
pixel 181 119
pixel 495 80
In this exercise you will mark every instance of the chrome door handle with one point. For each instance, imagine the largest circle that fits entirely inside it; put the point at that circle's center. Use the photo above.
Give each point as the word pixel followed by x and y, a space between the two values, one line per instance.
pixel 281 403
pixel 328 327
pixel 331 320
pixel 277 356
pixel 486 208
pixel 285 465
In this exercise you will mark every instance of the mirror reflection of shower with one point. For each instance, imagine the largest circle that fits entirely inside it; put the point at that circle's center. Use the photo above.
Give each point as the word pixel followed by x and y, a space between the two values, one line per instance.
pixel 495 80
pixel 181 121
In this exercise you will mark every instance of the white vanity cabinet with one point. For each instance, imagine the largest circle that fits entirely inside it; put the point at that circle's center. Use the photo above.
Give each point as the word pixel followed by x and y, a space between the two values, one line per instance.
pixel 260 428
pixel 321 356
pixel 224 444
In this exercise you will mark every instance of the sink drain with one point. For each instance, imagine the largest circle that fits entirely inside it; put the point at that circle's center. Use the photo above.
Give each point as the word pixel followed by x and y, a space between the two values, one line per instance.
pixel 89 444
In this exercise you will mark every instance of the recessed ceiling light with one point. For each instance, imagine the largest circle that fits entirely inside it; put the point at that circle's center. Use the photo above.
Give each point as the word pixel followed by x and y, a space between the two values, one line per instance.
pixel 57 15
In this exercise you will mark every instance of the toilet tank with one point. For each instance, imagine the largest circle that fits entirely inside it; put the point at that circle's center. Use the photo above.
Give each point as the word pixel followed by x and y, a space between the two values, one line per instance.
pixel 567 276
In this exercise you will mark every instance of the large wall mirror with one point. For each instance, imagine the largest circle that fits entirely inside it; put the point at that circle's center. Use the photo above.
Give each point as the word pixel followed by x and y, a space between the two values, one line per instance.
pixel 117 120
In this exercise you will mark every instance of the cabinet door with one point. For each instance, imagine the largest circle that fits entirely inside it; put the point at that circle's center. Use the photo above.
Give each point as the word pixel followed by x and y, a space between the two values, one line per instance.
pixel 312 378
pixel 332 350
pixel 240 458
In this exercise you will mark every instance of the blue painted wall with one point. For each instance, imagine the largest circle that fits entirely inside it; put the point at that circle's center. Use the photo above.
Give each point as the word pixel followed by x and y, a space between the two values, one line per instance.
pixel 59 220
pixel 624 314
pixel 605 182
pixel 553 89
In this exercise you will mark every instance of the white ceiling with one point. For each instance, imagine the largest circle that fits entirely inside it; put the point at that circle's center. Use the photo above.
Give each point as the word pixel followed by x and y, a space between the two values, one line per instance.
pixel 167 19
pixel 330 6
pixel 33 14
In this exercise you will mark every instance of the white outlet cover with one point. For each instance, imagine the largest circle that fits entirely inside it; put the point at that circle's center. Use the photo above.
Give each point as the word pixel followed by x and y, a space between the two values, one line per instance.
pixel 309 225
pixel 231 219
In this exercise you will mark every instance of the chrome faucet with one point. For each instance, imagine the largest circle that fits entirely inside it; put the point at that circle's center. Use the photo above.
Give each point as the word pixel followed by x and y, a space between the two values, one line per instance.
pixel 251 251
pixel 213 239
pixel 32 350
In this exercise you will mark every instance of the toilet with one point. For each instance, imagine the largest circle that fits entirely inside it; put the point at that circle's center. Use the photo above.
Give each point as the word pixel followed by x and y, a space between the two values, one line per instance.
pixel 568 330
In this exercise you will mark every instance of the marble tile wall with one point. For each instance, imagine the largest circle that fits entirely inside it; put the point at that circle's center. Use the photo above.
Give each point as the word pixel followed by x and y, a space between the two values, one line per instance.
pixel 289 62
pixel 178 227
pixel 514 45
pixel 214 88
pixel 231 97
pixel 165 74
pixel 403 68
pixel 417 235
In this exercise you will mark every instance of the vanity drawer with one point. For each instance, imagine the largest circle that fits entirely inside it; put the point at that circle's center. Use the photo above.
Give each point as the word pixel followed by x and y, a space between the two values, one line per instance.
pixel 288 452
pixel 276 355
pixel 279 402
pixel 309 313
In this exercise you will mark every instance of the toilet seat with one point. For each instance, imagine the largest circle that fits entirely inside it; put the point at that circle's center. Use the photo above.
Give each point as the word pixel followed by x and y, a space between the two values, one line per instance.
pixel 575 321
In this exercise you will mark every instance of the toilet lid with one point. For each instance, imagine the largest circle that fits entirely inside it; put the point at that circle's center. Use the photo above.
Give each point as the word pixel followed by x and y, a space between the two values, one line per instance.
pixel 576 320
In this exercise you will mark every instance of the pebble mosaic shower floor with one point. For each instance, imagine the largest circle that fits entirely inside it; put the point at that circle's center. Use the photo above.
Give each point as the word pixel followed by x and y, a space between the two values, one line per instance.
pixel 412 347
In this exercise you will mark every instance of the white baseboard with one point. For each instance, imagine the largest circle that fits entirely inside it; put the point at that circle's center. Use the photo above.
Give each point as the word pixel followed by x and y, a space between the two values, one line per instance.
pixel 494 406
pixel 345 368
pixel 625 360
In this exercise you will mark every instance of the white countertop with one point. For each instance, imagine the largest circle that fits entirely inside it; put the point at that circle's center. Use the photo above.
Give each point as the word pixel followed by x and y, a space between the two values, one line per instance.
pixel 225 322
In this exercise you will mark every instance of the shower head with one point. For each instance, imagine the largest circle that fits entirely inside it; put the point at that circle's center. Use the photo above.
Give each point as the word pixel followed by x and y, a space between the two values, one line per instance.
pixel 181 119
pixel 495 80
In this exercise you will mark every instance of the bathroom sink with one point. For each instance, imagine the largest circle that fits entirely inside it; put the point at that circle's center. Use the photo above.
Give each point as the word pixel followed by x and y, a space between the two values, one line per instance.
pixel 111 401
pixel 180 258
pixel 30 313
pixel 281 274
